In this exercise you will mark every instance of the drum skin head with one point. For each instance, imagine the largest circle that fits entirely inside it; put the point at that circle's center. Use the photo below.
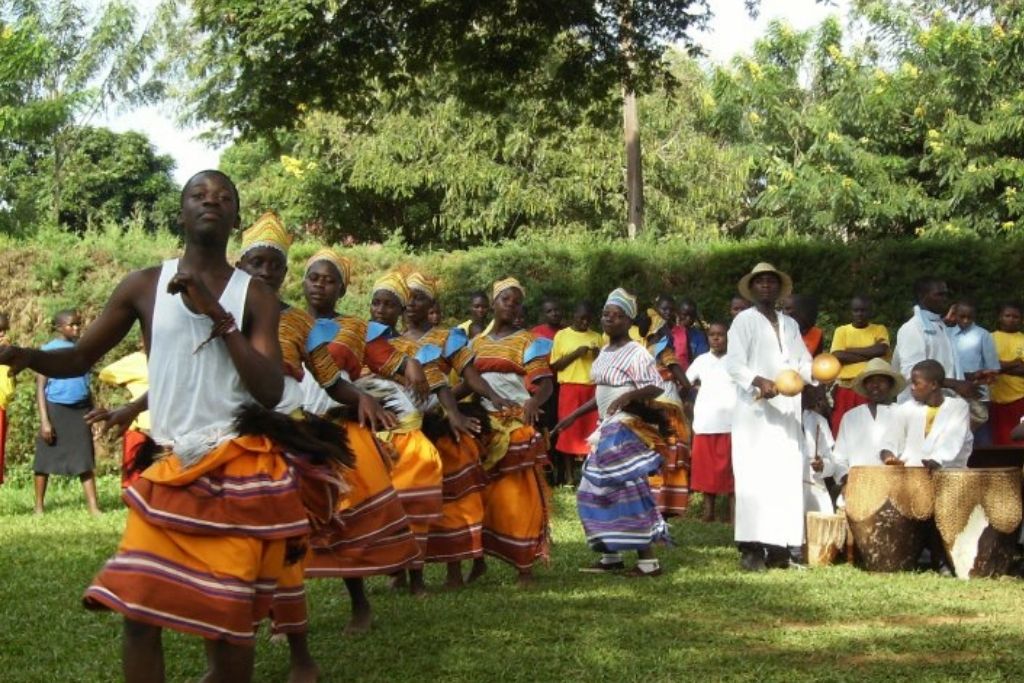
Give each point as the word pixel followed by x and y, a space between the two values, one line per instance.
pixel 978 513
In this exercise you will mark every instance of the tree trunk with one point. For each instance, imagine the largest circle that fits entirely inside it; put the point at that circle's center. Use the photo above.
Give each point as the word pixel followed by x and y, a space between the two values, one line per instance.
pixel 634 164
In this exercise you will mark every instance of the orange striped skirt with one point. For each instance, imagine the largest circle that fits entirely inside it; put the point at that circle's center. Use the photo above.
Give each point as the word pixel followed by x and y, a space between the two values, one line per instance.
pixel 458 534
pixel 369 534
pixel 515 527
pixel 204 546
pixel 416 477
pixel 671 486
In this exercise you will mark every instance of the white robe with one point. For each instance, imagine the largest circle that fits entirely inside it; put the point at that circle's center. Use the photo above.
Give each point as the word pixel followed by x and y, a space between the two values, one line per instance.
pixel 817 441
pixel 923 337
pixel 860 438
pixel 767 460
pixel 948 443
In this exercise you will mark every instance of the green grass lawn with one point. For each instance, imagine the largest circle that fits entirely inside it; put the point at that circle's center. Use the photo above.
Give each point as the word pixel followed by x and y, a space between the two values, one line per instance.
pixel 702 620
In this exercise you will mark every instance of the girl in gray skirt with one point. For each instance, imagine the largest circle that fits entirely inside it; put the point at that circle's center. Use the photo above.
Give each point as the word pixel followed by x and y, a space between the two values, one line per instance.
pixel 64 444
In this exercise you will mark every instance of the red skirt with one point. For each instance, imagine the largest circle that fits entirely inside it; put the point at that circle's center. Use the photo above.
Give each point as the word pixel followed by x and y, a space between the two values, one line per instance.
pixel 711 463
pixel 845 401
pixel 1003 417
pixel 3 441
pixel 574 439
pixel 133 440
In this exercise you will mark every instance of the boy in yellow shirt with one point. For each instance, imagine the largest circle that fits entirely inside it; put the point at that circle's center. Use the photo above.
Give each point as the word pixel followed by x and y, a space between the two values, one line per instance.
pixel 132 373
pixel 572 353
pixel 6 393
pixel 854 345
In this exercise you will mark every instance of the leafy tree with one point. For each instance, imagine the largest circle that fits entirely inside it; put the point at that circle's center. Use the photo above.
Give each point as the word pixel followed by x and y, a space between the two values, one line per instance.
pixel 449 175
pixel 260 65
pixel 61 66
pixel 915 130
pixel 114 175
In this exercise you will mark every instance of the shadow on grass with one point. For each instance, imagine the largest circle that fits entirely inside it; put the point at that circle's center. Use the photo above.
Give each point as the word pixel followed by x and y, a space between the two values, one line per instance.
pixel 702 620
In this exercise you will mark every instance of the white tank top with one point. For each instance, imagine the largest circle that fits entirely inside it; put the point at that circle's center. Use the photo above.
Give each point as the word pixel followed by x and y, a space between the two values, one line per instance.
pixel 193 396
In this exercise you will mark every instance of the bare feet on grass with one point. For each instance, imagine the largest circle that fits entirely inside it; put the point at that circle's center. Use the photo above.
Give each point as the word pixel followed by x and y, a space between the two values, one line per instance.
pixel 478 570
pixel 361 621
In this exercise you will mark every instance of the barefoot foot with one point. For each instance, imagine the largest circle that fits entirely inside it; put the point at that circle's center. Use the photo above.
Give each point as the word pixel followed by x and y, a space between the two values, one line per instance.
pixel 478 570
pixel 360 623
pixel 304 672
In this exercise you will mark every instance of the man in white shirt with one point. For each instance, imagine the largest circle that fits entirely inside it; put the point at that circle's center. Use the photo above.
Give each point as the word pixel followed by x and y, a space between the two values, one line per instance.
pixel 924 337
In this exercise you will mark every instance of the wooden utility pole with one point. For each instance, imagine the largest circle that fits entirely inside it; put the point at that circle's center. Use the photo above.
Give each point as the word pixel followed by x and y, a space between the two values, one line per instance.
pixel 631 132
pixel 634 164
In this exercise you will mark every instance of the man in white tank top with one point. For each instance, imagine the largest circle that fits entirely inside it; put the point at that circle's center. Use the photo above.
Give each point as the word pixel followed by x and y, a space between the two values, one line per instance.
pixel 211 336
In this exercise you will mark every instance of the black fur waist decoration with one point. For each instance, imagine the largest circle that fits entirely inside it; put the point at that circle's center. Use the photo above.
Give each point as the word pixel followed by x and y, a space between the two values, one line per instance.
pixel 320 441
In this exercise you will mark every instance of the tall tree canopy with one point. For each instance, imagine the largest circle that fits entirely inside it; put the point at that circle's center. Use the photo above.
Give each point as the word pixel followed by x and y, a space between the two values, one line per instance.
pixel 260 65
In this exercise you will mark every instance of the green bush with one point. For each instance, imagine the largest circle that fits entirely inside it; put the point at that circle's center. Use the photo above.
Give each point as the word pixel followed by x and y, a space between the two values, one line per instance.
pixel 56 270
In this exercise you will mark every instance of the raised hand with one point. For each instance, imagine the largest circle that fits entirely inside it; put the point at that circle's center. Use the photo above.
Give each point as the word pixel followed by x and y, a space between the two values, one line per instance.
pixel 196 293
pixel 114 421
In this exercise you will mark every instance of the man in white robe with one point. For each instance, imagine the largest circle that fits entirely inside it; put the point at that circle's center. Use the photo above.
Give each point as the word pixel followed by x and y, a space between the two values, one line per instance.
pixel 768 462
pixel 924 337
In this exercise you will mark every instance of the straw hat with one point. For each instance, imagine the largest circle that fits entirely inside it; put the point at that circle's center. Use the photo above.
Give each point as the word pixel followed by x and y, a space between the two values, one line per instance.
pixel 764 267
pixel 878 366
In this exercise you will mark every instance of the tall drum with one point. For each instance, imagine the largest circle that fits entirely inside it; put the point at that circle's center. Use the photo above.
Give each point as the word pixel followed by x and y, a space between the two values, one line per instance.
pixel 888 510
pixel 978 513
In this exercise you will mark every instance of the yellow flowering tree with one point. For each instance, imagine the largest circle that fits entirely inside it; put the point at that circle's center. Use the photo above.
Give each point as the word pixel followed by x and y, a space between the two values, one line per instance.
pixel 912 125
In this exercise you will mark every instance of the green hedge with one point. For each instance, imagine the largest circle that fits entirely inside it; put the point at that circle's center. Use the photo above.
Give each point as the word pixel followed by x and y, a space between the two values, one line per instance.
pixel 57 270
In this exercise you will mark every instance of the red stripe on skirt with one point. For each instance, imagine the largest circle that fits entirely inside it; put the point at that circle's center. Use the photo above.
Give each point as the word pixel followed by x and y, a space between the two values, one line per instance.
pixel 130 445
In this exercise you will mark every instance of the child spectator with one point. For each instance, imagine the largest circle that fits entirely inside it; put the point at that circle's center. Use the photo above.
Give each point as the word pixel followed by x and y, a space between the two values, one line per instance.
pixel 696 338
pixel 1008 390
pixel 854 345
pixel 572 355
pixel 804 309
pixel 551 319
pixel 6 393
pixel 976 354
pixel 665 307
pixel 479 308
pixel 434 314
pixel 817 447
pixel 711 455
pixel 64 444
pixel 132 373
pixel 737 305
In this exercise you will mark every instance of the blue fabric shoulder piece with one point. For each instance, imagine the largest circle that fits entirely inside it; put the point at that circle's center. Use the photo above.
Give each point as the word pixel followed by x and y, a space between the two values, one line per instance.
pixel 540 347
pixel 324 331
pixel 428 353
pixel 660 347
pixel 457 339
pixel 375 330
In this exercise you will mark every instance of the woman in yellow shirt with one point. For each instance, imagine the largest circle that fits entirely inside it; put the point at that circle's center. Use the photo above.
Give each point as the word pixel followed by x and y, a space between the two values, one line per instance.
pixel 573 352
pixel 1007 406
